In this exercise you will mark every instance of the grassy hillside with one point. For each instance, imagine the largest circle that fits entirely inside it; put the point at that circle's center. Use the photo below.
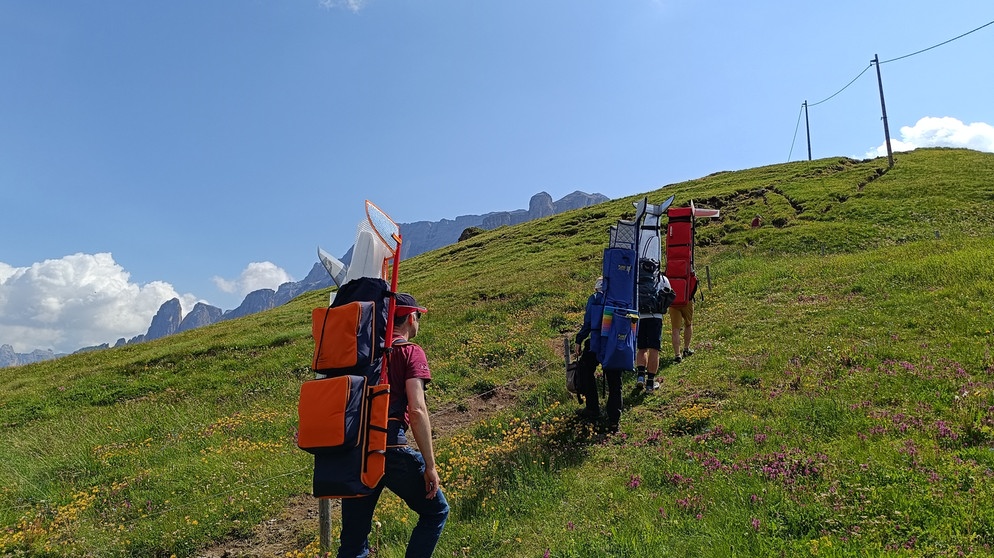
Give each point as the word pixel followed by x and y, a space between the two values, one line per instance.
pixel 840 401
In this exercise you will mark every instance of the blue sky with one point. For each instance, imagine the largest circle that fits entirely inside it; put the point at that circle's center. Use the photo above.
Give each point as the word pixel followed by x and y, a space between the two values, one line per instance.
pixel 204 149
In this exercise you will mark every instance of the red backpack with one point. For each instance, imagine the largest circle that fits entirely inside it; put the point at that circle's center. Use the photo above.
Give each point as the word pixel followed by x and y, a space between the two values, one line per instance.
pixel 680 254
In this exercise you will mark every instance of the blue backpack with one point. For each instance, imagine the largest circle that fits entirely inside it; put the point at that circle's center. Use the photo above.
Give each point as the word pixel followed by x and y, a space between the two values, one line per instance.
pixel 620 318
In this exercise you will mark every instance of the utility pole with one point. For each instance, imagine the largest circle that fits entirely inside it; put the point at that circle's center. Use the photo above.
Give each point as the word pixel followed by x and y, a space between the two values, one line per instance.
pixel 807 127
pixel 883 110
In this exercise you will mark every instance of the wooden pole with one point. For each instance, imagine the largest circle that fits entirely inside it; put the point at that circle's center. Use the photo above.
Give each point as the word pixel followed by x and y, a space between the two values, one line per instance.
pixel 324 519
pixel 883 110
pixel 807 127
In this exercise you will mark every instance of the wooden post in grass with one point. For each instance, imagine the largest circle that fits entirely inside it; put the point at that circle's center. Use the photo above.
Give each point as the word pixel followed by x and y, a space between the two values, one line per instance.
pixel 324 518
pixel 883 111
pixel 707 271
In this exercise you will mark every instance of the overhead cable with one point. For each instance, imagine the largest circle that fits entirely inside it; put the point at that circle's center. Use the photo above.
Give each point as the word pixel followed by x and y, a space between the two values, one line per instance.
pixel 868 66
pixel 938 45
pixel 796 126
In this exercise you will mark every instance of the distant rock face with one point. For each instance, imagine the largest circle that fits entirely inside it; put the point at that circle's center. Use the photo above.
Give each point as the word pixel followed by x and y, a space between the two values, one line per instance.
pixel 99 347
pixel 576 200
pixel 9 358
pixel 317 279
pixel 166 321
pixel 255 301
pixel 540 206
pixel 201 315
pixel 424 236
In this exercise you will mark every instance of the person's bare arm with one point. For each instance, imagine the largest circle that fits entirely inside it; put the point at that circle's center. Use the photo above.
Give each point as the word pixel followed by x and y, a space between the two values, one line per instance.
pixel 421 428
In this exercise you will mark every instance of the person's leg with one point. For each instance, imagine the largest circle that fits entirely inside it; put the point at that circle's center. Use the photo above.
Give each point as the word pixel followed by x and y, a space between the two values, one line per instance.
pixel 652 367
pixel 688 330
pixel 676 322
pixel 586 367
pixel 654 333
pixel 357 520
pixel 640 357
pixel 640 367
pixel 613 397
pixel 652 362
pixel 405 478
pixel 640 354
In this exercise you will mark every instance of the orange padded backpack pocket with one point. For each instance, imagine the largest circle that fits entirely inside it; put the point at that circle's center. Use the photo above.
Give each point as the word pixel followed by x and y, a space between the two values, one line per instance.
pixel 331 414
pixel 343 336
pixel 374 462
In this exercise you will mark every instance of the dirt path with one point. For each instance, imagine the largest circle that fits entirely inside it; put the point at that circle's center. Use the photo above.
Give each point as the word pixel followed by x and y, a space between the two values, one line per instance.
pixel 297 525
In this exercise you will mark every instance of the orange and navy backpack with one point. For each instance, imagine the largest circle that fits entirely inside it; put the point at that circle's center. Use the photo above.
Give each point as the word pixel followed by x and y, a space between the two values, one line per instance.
pixel 343 412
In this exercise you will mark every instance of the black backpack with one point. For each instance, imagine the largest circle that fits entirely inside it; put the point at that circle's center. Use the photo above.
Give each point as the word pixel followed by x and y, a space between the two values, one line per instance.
pixel 654 298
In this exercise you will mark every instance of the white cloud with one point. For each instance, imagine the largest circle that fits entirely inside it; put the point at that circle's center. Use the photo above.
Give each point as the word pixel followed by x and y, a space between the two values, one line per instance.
pixel 931 131
pixel 76 301
pixel 255 276
pixel 6 271
pixel 350 5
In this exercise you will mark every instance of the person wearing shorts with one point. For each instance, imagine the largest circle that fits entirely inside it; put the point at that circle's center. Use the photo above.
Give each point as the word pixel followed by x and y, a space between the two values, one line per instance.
pixel 682 318
pixel 650 332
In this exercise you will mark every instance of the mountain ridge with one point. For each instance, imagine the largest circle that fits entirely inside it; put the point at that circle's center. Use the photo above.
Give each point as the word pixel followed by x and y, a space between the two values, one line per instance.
pixel 419 237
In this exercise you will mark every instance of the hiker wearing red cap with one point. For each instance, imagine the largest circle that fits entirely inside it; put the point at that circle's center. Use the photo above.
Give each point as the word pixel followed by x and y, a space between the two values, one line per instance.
pixel 410 473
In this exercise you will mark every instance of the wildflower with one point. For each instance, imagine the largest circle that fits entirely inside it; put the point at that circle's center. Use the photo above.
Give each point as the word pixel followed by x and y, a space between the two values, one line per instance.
pixel 755 524
pixel 944 431
pixel 634 481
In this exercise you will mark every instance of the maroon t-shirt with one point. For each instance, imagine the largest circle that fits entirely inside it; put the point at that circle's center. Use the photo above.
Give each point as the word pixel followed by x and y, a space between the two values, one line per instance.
pixel 407 361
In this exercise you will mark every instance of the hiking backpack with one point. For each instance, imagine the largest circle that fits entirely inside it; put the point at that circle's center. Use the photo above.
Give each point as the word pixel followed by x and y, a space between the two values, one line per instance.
pixel 654 292
pixel 680 254
pixel 343 412
pixel 620 318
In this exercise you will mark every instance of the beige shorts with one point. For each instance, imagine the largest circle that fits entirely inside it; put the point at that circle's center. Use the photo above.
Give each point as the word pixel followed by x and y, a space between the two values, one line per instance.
pixel 680 315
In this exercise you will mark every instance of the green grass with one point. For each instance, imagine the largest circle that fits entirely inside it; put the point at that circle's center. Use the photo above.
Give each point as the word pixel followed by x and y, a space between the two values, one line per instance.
pixel 840 402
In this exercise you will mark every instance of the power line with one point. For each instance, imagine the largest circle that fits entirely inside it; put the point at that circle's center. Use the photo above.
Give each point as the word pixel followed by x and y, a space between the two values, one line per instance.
pixel 796 126
pixel 878 67
pixel 868 66
pixel 938 45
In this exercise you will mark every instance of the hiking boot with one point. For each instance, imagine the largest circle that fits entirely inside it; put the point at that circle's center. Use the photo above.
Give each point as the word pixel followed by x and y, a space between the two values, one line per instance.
pixel 677 359
pixel 687 352
pixel 613 428
pixel 640 381
pixel 650 384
